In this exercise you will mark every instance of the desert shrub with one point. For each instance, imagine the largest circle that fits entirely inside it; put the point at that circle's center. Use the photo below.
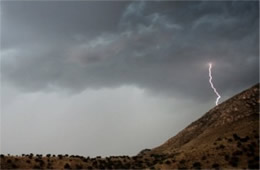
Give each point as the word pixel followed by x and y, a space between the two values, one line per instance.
pixel 41 162
pixel 236 137
pixel 60 156
pixel 239 144
pixel 2 156
pixel 85 160
pixel 253 164
pixel 30 156
pixel 49 166
pixel 238 152
pixel 100 167
pixel 36 167
pixel 234 161
pixel 152 167
pixel 78 166
pixel 182 161
pixel 168 162
pixel 244 149
pixel 135 157
pixel 48 155
pixel 226 157
pixel 256 158
pixel 14 166
pixel 94 163
pixel 66 166
pixel 221 146
pixel 53 155
pixel 66 155
pixel 245 139
pixel 218 139
pixel 253 144
pixel 39 155
pixel 215 166
pixel 196 165
pixel 230 140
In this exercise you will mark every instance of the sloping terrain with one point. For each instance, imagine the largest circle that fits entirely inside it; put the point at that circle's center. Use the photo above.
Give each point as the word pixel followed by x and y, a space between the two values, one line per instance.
pixel 225 137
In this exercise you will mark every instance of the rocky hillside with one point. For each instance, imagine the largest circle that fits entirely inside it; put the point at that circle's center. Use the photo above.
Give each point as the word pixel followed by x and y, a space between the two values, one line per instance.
pixel 225 137
pixel 241 106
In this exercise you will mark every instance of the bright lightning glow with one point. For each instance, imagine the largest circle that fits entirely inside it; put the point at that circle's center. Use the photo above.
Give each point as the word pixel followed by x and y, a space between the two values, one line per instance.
pixel 212 86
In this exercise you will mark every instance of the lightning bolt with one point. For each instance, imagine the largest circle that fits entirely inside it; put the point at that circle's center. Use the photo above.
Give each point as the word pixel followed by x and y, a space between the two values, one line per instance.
pixel 212 86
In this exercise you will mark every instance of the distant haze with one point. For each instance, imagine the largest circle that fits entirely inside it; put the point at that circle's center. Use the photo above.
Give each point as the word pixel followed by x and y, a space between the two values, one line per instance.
pixel 115 77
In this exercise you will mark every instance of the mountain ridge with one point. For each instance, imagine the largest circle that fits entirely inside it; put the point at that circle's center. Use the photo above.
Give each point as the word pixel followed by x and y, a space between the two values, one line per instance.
pixel 227 112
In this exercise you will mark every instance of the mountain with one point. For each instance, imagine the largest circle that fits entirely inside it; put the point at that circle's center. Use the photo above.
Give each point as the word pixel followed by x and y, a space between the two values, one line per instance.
pixel 227 136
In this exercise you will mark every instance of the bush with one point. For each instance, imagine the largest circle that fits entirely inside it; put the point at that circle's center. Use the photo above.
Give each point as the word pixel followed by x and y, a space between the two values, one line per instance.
pixel 60 156
pixel 238 152
pixel 230 140
pixel 215 166
pixel 234 161
pixel 39 156
pixel 66 166
pixel 203 158
pixel 218 139
pixel 48 155
pixel 236 137
pixel 167 162
pixel 226 157
pixel 253 164
pixel 80 166
pixel 182 161
pixel 221 146
pixel 14 166
pixel 245 139
pixel 30 156
pixel 36 167
pixel 196 165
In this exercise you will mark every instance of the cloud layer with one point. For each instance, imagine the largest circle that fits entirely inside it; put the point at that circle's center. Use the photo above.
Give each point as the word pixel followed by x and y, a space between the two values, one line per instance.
pixel 163 47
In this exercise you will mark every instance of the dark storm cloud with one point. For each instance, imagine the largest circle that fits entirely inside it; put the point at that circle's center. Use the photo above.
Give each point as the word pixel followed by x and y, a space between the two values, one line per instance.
pixel 163 47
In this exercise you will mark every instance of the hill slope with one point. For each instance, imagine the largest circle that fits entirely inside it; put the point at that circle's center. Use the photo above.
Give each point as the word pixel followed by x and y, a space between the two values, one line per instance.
pixel 227 136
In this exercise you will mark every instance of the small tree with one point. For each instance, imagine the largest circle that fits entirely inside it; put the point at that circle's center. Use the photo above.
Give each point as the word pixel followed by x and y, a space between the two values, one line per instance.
pixel 196 165
pixel 66 166
pixel 215 166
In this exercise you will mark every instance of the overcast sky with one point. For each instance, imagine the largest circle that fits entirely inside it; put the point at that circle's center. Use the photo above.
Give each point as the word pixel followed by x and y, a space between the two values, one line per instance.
pixel 113 78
